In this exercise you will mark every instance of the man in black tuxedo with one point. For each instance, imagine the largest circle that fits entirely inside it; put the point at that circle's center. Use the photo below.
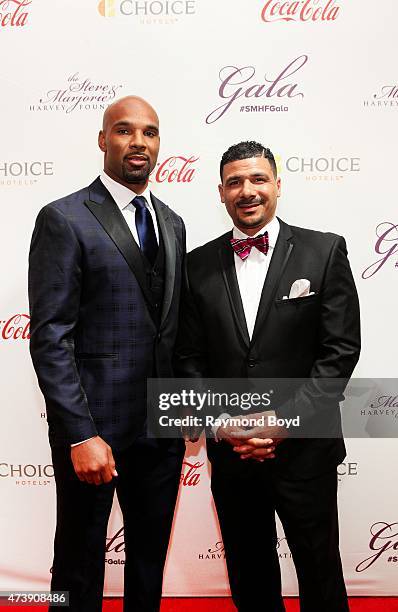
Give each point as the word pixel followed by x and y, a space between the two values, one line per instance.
pixel 245 316
pixel 104 287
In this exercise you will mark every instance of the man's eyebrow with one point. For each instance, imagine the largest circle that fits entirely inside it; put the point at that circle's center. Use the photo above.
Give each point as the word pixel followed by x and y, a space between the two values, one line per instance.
pixel 125 123
pixel 236 177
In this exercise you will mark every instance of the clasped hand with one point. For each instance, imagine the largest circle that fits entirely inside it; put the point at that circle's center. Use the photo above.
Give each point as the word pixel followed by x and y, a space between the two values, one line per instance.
pixel 258 443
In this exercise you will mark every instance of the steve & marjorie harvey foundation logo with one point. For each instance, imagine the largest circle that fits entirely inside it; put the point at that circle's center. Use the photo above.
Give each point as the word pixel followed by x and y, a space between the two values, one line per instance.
pixel 79 93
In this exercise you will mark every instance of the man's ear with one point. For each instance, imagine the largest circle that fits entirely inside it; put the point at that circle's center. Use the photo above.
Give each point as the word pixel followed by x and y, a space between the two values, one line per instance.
pixel 278 184
pixel 101 141
pixel 221 192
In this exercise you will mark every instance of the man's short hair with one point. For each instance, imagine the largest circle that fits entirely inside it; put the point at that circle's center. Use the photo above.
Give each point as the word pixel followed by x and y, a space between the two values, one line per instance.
pixel 244 150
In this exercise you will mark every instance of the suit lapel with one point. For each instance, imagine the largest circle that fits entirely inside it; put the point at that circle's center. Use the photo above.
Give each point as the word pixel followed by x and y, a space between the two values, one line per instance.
pixel 280 257
pixel 168 235
pixel 227 263
pixel 106 211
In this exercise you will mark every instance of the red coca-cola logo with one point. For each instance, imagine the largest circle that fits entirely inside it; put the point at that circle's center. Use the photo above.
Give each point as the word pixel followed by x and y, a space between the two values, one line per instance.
pixel 190 475
pixel 384 538
pixel 175 169
pixel 16 327
pixel 14 12
pixel 304 10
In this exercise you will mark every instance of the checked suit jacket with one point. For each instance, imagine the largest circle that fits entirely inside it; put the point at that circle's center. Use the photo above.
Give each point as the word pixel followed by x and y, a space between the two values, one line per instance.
pixel 308 339
pixel 96 332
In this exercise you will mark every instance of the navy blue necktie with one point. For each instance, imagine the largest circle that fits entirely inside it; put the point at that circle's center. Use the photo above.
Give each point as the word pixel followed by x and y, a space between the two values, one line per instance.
pixel 145 229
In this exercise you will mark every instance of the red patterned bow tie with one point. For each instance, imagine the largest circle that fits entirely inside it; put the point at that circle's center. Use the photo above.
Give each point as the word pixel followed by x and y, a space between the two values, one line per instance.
pixel 243 246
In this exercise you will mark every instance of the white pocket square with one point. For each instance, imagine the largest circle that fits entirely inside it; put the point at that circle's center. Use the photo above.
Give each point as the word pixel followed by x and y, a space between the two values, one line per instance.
pixel 300 288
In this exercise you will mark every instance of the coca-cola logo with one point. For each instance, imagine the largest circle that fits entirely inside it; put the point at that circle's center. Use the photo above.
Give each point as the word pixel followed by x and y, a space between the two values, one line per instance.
pixel 385 97
pixel 175 169
pixel 304 10
pixel 15 327
pixel 79 93
pixel 14 13
pixel 190 475
pixel 386 246
pixel 384 539
pixel 239 83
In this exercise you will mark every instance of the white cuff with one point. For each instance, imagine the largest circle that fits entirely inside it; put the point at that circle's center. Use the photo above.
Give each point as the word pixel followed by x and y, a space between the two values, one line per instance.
pixel 82 442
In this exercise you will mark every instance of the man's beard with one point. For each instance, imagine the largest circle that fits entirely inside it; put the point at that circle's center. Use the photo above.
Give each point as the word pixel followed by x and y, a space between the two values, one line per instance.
pixel 139 176
pixel 254 220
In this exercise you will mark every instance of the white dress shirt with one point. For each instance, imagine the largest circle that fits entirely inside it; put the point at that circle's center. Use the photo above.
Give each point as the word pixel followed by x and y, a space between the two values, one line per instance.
pixel 252 272
pixel 251 275
pixel 123 197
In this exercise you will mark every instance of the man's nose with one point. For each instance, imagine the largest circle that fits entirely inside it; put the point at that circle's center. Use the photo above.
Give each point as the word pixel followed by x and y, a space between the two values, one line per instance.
pixel 137 140
pixel 248 190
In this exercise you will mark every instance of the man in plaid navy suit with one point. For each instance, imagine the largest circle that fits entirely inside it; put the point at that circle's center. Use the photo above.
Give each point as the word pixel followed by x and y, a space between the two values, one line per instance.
pixel 104 288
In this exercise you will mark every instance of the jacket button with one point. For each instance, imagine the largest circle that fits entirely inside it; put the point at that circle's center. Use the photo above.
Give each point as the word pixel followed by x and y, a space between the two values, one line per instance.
pixel 251 363
pixel 159 337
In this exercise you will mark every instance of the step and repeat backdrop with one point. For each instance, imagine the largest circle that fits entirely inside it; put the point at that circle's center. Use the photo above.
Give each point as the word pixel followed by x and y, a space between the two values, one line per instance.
pixel 316 81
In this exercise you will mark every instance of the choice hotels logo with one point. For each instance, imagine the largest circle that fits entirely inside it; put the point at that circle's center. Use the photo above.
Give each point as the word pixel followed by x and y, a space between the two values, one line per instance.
pixel 303 10
pixel 107 8
pixel 18 173
pixel 149 11
pixel 240 83
pixel 28 474
pixel 14 12
pixel 316 168
pixel 347 470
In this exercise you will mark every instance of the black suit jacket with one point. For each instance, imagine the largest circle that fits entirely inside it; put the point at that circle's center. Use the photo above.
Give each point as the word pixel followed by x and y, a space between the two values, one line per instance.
pixel 314 337
pixel 95 331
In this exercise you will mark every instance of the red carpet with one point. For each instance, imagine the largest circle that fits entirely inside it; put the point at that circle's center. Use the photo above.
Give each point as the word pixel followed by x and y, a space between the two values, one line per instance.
pixel 357 604
pixel 225 605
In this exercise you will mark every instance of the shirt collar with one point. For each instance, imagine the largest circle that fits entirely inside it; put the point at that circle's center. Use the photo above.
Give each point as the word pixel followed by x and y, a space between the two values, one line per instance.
pixel 121 194
pixel 272 228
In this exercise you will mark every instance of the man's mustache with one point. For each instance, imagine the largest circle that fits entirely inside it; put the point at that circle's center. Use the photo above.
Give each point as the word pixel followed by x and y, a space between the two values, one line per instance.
pixel 131 155
pixel 253 202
